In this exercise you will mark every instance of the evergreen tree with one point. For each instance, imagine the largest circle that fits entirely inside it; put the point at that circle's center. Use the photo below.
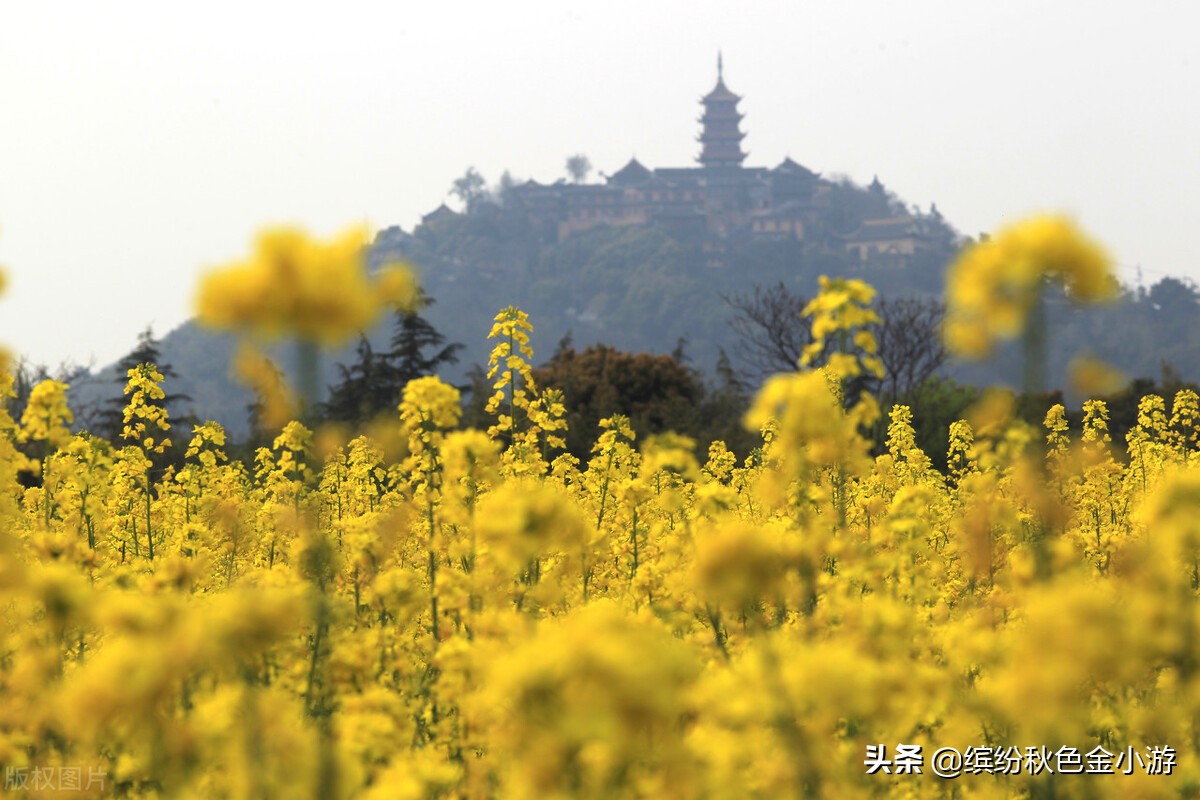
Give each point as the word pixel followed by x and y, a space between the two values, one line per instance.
pixel 367 387
pixel 413 334
pixel 374 383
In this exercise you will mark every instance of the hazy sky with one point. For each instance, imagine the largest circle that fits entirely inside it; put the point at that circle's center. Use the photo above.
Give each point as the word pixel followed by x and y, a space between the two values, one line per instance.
pixel 142 142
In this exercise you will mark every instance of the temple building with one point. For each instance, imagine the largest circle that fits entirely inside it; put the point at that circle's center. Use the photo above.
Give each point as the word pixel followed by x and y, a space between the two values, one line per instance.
pixel 719 198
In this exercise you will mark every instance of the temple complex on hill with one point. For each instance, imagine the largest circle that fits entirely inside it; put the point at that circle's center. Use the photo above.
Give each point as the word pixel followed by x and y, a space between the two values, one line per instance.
pixel 720 198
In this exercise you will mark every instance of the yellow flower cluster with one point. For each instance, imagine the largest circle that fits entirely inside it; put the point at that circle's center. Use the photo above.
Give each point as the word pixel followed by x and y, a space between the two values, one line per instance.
pixel 145 414
pixel 47 418
pixel 841 310
pixel 533 417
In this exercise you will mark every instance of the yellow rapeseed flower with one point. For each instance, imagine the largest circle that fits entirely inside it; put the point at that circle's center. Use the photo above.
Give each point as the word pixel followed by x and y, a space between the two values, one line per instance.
pixel 429 402
pixel 993 285
pixel 278 402
pixel 47 417
pixel 296 285
pixel 1092 377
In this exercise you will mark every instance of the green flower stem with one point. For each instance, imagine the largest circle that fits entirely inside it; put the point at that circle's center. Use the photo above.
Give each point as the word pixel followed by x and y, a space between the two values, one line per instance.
pixel 1033 348
pixel 308 375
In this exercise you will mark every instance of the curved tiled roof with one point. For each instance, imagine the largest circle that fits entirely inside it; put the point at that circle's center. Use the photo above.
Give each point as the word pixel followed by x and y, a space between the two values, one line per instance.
pixel 633 172
pixel 790 167
pixel 720 93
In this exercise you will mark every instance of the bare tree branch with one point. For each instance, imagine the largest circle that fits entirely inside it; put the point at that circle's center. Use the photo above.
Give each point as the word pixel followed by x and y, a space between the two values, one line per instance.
pixel 772 334
pixel 771 330
pixel 910 343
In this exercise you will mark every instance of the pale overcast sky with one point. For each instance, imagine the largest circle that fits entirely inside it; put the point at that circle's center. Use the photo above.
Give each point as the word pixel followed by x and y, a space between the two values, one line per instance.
pixel 142 142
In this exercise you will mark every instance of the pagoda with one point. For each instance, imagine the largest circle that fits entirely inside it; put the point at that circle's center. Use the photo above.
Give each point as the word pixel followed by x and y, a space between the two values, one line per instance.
pixel 721 136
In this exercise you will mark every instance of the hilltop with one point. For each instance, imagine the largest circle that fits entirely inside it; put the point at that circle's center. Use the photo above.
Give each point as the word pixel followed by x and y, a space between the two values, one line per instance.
pixel 643 258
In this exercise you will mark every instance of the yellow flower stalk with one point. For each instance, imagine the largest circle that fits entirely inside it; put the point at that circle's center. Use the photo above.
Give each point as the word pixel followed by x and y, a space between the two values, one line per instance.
pixel 47 418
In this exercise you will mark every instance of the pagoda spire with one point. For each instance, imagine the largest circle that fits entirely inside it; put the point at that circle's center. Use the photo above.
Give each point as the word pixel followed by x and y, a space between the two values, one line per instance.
pixel 720 68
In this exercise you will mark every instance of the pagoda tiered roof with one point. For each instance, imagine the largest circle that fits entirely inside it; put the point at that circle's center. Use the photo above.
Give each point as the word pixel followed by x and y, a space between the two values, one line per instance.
pixel 720 94
pixel 721 135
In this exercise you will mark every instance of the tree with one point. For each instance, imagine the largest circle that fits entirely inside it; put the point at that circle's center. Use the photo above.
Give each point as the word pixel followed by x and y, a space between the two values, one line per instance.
pixel 910 344
pixel 373 384
pixel 773 332
pixel 413 335
pixel 578 168
pixel 726 400
pixel 1175 295
pixel 470 188
pixel 770 328
pixel 367 387
pixel 656 392
pixel 504 189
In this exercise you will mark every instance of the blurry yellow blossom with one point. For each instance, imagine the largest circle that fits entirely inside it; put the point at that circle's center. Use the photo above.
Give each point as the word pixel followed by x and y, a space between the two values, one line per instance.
pixel 993 285
pixel 1091 377
pixel 296 285
pixel 591 706
pixel 739 564
pixel 811 419
pixel 276 399
pixel 47 418
pixel 431 403
pixel 669 452
pixel 992 412
pixel 522 521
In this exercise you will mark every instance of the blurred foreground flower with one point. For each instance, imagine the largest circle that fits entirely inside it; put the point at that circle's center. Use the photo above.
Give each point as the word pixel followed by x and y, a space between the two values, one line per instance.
pixel 296 285
pixel 994 289
pixel 292 285
pixel 276 404
pixel 994 285
pixel 1091 378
